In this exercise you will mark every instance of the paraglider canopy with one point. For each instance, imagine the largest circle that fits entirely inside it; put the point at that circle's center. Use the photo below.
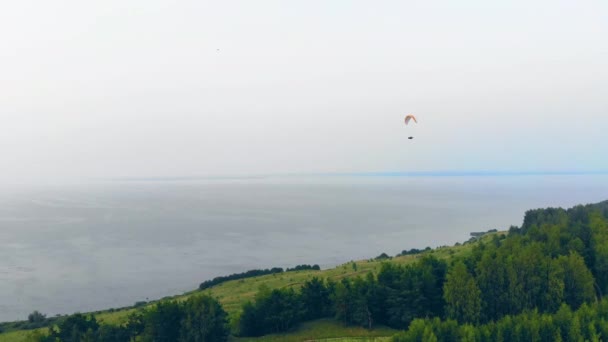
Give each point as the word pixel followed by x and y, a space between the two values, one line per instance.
pixel 410 117
pixel 407 120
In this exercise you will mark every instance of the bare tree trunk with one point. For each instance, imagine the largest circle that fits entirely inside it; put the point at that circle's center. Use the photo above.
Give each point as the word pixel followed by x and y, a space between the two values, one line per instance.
pixel 598 291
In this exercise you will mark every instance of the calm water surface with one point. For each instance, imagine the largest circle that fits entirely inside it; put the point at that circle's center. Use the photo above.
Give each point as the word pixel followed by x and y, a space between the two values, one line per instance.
pixel 90 247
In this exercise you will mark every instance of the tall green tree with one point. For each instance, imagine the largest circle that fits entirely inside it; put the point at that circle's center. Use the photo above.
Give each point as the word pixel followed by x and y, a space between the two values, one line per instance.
pixel 273 311
pixel 493 281
pixel 204 320
pixel 162 322
pixel 75 328
pixel 315 297
pixel 462 295
pixel 578 280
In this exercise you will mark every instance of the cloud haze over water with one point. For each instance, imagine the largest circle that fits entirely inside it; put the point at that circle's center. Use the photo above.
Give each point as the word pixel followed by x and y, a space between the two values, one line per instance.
pixel 165 89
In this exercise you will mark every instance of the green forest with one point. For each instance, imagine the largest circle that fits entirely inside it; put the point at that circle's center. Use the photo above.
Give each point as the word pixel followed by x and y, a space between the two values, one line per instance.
pixel 543 281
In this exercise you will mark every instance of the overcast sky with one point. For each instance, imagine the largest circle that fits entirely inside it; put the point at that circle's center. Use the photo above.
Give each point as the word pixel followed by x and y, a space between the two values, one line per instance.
pixel 115 88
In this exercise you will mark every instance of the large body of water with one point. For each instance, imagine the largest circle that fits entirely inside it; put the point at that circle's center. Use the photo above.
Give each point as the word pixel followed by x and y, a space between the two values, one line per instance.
pixel 82 248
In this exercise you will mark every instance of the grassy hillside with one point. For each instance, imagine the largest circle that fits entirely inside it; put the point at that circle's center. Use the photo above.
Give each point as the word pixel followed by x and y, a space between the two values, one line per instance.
pixel 20 335
pixel 233 294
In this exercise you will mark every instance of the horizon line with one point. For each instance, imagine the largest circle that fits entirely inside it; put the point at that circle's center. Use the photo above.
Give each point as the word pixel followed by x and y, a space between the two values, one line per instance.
pixel 444 173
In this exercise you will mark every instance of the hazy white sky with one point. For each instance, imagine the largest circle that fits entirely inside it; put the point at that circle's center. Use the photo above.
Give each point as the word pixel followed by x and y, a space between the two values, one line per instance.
pixel 149 88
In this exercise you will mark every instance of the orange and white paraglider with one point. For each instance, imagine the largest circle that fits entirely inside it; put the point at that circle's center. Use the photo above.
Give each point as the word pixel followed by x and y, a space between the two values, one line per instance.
pixel 407 120
pixel 410 117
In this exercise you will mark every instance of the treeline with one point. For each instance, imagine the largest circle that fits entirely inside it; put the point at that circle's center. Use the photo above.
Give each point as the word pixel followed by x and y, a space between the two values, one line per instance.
pixel 588 323
pixel 35 320
pixel 254 273
pixel 236 276
pixel 304 267
pixel 558 257
pixel 398 295
pixel 413 251
pixel 279 310
pixel 198 319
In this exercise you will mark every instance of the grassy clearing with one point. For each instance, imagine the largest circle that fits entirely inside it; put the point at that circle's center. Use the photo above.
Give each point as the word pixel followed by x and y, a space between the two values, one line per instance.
pixel 21 335
pixel 326 330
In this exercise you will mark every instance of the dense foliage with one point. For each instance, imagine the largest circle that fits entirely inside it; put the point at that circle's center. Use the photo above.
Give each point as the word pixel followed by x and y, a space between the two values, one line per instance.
pixel 558 259
pixel 588 323
pixel 413 251
pixel 398 295
pixel 304 267
pixel 281 309
pixel 198 319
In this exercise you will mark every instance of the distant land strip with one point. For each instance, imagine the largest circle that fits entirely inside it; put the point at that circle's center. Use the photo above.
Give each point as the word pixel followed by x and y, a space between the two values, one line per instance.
pixel 448 173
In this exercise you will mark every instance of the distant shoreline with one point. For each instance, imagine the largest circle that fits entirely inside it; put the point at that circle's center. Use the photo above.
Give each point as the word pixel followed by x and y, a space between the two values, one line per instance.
pixel 466 173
